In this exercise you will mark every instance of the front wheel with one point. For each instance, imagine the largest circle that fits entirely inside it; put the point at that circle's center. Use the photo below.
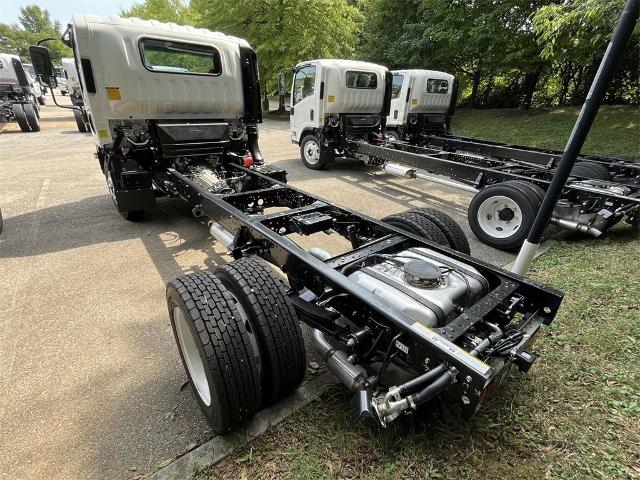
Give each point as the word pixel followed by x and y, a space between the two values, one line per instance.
pixel 313 155
pixel 82 126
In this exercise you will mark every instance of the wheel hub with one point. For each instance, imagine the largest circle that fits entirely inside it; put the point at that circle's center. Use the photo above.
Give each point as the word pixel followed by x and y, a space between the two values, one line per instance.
pixel 312 152
pixel 499 216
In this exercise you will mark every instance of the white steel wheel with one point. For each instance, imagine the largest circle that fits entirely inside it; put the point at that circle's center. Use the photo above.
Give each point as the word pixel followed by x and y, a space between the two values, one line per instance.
pixel 500 216
pixel 191 356
pixel 312 152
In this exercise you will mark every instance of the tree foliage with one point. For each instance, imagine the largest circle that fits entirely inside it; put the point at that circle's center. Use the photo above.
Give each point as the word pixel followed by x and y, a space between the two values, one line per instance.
pixel 33 24
pixel 175 11
pixel 284 32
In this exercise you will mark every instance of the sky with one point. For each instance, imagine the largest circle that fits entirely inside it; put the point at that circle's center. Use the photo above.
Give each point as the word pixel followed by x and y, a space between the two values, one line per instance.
pixel 62 10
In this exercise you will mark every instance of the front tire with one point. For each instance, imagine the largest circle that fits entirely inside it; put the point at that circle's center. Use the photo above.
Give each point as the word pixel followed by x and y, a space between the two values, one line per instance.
pixel 312 154
pixel 215 349
pixel 79 117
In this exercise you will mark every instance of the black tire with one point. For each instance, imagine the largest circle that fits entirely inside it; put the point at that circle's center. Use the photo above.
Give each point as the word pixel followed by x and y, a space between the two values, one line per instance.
pixel 36 107
pixel 21 117
pixel 82 126
pixel 418 224
pixel 228 362
pixel 131 215
pixel 32 117
pixel 448 226
pixel 313 155
pixel 42 100
pixel 273 320
pixel 591 170
pixel 537 191
pixel 1 222
pixel 499 232
pixel 393 134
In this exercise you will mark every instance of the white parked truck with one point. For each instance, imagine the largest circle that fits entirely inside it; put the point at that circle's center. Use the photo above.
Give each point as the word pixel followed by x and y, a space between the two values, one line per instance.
pixel 422 102
pixel 159 96
pixel 61 80
pixel 334 100
pixel 74 88
pixel 19 97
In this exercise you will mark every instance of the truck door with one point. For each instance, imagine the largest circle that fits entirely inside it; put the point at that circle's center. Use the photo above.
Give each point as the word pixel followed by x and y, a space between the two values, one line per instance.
pixel 397 100
pixel 304 104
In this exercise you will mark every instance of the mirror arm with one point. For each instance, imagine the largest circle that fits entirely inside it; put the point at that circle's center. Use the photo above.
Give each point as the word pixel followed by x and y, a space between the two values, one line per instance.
pixel 73 107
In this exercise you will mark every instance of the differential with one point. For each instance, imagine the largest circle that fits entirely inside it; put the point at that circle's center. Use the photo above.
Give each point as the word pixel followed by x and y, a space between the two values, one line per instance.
pixel 422 274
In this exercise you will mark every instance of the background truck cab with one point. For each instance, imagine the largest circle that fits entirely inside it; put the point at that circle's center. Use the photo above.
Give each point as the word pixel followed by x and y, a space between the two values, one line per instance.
pixel 20 94
pixel 332 101
pixel 422 102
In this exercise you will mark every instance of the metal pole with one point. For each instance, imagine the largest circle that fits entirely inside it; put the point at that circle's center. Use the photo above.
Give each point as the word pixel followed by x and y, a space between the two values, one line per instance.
pixel 611 58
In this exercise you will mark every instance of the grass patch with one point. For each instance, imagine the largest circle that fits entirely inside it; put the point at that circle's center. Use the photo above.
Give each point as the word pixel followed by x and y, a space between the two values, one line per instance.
pixel 576 415
pixel 616 130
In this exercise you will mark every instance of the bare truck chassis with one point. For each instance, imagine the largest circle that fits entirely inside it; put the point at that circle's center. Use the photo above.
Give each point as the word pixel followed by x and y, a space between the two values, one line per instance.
pixel 239 222
pixel 590 203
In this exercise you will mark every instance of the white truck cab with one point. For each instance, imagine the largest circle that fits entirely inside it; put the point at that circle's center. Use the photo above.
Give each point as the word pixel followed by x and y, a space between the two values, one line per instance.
pixel 333 100
pixel 160 97
pixel 422 102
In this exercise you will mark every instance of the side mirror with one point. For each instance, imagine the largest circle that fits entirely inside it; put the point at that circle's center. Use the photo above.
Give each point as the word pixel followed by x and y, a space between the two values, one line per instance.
pixel 282 82
pixel 43 65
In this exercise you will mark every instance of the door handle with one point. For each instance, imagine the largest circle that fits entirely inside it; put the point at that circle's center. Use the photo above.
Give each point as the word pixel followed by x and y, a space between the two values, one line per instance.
pixel 311 114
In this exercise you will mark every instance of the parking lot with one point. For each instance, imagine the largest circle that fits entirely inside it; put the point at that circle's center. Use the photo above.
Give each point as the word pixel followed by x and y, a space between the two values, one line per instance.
pixel 89 372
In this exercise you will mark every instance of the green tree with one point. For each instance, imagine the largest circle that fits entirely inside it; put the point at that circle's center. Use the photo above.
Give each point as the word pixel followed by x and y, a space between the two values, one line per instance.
pixel 34 24
pixel 284 32
pixel 175 11
pixel 574 36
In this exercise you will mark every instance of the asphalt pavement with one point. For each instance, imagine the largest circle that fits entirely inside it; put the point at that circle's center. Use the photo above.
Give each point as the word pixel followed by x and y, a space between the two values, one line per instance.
pixel 90 377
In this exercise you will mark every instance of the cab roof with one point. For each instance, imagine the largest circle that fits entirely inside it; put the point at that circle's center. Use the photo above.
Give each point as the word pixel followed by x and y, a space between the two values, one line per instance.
pixel 145 26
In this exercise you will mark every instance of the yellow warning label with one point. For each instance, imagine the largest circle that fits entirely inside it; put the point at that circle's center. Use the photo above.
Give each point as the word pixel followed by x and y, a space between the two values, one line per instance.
pixel 414 101
pixel 113 93
pixel 103 134
pixel 331 98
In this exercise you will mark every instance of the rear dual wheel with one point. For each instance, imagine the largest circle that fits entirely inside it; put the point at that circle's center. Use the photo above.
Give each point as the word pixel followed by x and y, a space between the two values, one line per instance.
pixel 239 339
pixel 591 170
pixel 26 116
pixel 433 225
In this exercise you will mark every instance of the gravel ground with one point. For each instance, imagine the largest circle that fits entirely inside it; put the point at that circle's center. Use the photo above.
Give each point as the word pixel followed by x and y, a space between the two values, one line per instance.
pixel 89 372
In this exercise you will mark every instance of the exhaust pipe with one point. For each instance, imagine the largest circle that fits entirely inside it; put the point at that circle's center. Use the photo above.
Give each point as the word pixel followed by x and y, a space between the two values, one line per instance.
pixel 224 236
pixel 409 172
pixel 352 376
pixel 575 226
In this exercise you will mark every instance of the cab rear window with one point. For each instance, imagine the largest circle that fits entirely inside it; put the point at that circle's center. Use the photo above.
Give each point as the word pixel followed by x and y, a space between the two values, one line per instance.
pixel 437 86
pixel 362 80
pixel 175 57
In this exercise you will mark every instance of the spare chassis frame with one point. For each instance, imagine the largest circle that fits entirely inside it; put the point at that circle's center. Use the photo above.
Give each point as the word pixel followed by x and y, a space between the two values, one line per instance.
pixel 265 235
pixel 476 164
